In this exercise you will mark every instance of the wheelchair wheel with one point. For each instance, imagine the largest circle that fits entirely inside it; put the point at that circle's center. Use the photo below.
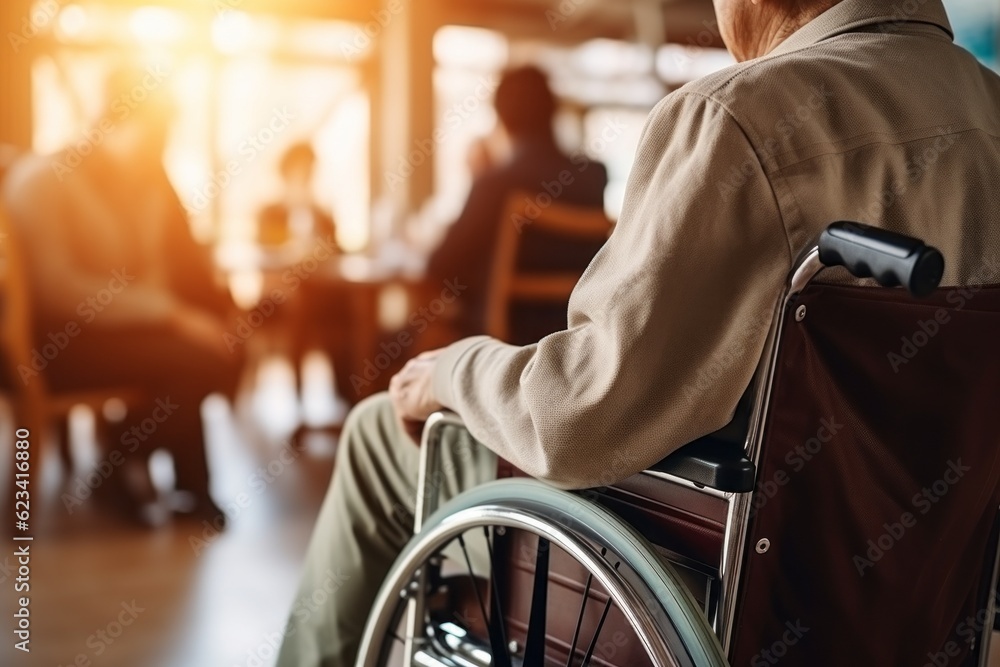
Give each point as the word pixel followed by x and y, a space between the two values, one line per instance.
pixel 588 590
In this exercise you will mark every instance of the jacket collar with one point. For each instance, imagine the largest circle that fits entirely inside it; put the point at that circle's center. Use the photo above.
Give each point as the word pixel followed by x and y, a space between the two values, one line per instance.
pixel 853 15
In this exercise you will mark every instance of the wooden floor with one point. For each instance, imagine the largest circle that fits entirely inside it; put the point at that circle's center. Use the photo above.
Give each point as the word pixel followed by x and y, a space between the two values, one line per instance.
pixel 217 604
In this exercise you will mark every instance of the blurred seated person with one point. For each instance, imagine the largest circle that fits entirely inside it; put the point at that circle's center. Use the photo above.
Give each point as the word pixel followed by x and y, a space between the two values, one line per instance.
pixel 479 157
pixel 296 217
pixel 525 106
pixel 317 312
pixel 685 288
pixel 125 292
pixel 9 154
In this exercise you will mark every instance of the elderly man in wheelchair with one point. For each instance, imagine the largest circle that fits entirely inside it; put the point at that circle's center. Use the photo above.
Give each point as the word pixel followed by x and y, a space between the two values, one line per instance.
pixel 767 435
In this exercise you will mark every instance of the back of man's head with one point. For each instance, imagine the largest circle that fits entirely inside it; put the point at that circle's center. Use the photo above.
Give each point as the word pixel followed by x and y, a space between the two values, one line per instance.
pixel 299 157
pixel 525 103
pixel 139 105
pixel 814 7
pixel 752 28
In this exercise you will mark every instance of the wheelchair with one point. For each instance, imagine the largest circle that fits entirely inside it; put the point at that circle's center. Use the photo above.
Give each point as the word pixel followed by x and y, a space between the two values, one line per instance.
pixel 855 524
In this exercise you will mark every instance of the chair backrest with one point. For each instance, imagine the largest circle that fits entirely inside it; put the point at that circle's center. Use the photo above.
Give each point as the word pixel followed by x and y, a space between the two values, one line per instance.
pixel 509 284
pixel 872 533
pixel 16 339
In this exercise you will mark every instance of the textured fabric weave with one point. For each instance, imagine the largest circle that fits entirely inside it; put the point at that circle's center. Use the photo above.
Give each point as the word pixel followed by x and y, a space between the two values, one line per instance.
pixel 867 113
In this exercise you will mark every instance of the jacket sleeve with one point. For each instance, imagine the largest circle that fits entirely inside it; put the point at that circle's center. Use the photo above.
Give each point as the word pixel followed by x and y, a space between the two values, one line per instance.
pixel 666 326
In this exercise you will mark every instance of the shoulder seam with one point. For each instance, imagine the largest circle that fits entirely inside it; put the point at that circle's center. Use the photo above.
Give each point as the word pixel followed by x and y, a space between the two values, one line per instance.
pixel 756 157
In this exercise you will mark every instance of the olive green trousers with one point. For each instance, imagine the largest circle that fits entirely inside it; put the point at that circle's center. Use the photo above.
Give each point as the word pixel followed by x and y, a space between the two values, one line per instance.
pixel 365 521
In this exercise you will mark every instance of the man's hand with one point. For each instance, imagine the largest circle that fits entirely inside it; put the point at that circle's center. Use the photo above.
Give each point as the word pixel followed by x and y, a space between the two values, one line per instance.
pixel 412 393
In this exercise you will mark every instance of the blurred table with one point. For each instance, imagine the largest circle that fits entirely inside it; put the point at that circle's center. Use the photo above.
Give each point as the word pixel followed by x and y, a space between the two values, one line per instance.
pixel 372 295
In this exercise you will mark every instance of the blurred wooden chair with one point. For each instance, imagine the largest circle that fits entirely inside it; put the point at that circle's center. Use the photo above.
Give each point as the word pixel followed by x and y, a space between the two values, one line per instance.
pixel 35 406
pixel 27 398
pixel 511 285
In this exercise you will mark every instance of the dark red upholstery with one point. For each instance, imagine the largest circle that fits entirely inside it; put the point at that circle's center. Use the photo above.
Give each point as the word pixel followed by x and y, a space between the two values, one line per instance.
pixel 877 398
pixel 679 519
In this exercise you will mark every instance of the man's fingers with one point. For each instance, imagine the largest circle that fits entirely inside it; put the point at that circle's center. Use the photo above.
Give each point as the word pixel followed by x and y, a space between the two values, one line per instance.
pixel 411 392
pixel 400 397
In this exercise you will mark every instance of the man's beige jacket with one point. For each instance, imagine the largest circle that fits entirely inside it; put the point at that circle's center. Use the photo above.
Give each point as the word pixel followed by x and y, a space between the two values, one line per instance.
pixel 868 113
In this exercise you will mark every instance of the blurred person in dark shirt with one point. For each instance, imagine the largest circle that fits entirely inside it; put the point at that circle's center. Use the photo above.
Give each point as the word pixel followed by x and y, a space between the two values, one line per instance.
pixel 297 217
pixel 526 108
pixel 317 316
pixel 113 265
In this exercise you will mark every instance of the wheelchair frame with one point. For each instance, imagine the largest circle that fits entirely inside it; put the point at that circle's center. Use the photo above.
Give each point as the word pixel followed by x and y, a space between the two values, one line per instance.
pixel 721 606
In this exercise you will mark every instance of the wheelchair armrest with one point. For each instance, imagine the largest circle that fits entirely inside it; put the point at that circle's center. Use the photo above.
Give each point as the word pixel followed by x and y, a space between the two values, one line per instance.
pixel 712 463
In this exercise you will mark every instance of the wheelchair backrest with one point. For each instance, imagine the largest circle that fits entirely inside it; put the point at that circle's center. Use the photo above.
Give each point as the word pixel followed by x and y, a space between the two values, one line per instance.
pixel 873 530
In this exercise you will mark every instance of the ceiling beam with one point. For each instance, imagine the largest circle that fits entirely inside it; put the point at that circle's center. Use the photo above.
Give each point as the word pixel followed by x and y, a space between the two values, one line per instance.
pixel 565 21
pixel 359 11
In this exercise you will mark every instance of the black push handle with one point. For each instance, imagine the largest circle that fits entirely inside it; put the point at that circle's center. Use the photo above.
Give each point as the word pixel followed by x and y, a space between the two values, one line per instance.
pixel 891 259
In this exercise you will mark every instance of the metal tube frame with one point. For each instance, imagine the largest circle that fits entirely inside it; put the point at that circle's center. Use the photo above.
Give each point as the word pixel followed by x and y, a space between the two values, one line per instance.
pixel 738 515
pixel 632 605
pixel 738 521
pixel 426 503
pixel 991 608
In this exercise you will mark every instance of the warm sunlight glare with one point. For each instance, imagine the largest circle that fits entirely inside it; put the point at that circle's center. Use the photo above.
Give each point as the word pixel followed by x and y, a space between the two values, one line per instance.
pixel 72 21
pixel 232 32
pixel 156 25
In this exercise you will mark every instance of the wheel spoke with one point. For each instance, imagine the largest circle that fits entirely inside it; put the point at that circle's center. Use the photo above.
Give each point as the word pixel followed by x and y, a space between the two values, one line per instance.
pixel 534 645
pixel 579 621
pixel 597 632
pixel 500 656
pixel 618 575
pixel 496 609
